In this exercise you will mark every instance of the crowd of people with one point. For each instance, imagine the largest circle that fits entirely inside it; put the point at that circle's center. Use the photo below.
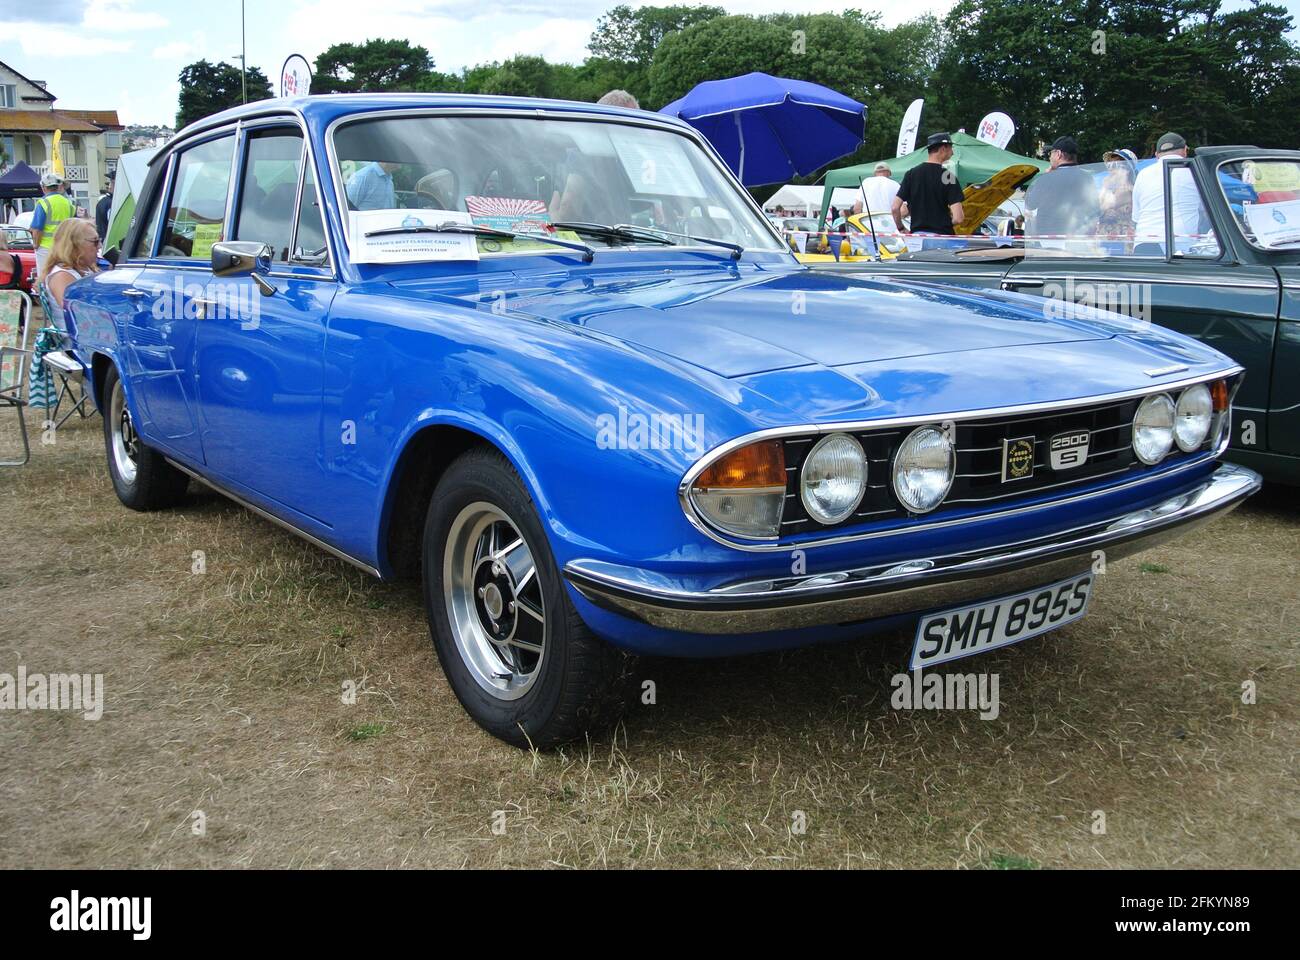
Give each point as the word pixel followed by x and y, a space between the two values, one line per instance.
pixel 1067 203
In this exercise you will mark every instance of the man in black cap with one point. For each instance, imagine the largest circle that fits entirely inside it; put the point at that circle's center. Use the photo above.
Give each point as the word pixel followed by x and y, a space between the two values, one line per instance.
pixel 1063 201
pixel 931 193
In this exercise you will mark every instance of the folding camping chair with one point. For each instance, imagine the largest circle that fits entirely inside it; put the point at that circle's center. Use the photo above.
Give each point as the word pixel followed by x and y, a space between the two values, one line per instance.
pixel 55 359
pixel 15 322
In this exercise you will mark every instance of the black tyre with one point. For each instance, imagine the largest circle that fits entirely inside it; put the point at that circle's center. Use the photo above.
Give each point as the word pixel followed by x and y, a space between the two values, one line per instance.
pixel 143 479
pixel 515 651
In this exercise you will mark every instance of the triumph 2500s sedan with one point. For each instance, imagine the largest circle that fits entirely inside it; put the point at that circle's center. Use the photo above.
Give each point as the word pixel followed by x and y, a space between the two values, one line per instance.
pixel 553 360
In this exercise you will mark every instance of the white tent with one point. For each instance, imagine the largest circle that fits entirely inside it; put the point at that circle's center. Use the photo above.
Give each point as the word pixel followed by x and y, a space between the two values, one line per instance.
pixel 132 169
pixel 808 199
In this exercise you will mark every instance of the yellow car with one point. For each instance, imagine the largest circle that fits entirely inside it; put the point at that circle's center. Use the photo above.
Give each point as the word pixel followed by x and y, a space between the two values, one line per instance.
pixel 855 243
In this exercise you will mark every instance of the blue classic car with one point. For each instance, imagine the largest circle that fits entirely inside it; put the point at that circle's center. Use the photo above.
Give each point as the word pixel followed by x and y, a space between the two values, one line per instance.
pixel 552 359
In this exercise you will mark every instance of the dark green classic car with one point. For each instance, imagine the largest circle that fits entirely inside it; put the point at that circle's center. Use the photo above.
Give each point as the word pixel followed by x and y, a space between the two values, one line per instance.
pixel 1208 246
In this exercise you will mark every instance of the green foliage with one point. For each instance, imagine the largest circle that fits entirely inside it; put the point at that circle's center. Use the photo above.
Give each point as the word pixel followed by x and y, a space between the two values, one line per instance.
pixel 373 65
pixel 626 39
pixel 208 88
pixel 1118 74
pixel 367 731
pixel 1112 73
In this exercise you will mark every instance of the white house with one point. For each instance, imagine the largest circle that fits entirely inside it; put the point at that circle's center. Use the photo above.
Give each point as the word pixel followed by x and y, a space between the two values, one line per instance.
pixel 91 140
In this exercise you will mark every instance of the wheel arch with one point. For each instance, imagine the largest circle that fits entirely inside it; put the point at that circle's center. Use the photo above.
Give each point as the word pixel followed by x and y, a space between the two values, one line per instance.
pixel 425 456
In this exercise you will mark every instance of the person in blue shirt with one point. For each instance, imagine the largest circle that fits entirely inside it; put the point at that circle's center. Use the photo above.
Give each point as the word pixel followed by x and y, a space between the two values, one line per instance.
pixel 371 188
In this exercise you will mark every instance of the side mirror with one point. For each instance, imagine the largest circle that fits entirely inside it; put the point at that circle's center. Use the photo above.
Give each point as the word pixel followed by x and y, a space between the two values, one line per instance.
pixel 244 258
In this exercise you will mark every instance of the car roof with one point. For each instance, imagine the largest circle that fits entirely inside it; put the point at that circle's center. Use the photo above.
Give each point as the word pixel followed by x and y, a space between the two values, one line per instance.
pixel 320 111
pixel 1229 152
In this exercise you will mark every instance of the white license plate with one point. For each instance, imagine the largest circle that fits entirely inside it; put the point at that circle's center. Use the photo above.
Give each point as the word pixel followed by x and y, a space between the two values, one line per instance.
pixel 954 634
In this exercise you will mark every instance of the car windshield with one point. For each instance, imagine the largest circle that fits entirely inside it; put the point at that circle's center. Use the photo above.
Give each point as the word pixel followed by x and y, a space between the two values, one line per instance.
pixel 1264 196
pixel 559 177
pixel 1117 209
pixel 17 239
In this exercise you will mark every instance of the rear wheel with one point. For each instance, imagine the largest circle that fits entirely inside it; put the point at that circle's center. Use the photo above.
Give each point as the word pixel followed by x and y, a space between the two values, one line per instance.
pixel 514 649
pixel 142 477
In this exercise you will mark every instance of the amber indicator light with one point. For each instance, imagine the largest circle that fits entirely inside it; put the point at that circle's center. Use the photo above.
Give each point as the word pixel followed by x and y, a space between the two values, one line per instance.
pixel 757 465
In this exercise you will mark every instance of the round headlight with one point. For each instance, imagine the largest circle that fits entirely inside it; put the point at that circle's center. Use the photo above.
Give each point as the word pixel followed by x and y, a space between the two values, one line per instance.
pixel 1192 417
pixel 923 469
pixel 1153 429
pixel 834 478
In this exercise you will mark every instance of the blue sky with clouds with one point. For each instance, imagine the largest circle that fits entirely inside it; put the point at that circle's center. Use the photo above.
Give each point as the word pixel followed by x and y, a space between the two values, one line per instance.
pixel 126 54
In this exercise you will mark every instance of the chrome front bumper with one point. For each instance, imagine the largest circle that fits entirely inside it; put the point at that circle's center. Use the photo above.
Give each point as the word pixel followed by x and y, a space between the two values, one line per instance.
pixel 925 583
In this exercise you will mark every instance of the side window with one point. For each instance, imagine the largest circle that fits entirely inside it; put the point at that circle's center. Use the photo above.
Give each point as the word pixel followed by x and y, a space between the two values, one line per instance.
pixel 270 189
pixel 197 212
pixel 311 246
pixel 1194 235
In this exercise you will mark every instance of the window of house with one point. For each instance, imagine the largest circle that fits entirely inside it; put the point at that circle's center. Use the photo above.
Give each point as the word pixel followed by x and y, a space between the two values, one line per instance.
pixel 8 96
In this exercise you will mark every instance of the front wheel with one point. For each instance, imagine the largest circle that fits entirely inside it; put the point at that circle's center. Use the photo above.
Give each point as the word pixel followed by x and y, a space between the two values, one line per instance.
pixel 142 477
pixel 513 648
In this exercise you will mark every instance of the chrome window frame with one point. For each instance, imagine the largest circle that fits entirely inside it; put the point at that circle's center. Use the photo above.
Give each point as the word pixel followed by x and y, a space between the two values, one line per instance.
pixel 204 130
pixel 778 542
pixel 264 124
pixel 414 112
pixel 174 162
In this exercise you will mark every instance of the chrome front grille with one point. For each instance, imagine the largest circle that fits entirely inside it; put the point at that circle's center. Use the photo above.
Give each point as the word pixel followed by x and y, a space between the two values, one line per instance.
pixel 979 462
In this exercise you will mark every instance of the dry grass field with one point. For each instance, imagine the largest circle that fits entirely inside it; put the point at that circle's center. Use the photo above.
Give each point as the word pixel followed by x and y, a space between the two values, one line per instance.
pixel 224 695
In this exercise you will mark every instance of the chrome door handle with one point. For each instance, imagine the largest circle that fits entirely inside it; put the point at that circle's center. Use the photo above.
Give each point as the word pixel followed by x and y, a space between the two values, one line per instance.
pixel 1012 284
pixel 201 308
pixel 135 294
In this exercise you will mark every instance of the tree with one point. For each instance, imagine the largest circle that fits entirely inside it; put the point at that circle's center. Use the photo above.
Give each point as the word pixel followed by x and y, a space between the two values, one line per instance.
pixel 1118 73
pixel 372 66
pixel 208 88
pixel 522 76
pixel 626 40
pixel 631 36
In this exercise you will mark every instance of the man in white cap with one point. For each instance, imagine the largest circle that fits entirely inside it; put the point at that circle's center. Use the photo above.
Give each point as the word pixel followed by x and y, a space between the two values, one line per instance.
pixel 51 210
pixel 879 190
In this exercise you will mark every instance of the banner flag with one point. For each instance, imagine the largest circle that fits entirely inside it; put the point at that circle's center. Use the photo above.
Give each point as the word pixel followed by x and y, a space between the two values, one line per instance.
pixel 907 130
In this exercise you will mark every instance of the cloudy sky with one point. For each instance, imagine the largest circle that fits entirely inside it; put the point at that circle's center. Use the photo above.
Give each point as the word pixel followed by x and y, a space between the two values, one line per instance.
pixel 126 54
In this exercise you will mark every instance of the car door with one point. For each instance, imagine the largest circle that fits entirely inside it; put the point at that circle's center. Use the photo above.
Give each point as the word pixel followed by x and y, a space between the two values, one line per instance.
pixel 261 344
pixel 1284 400
pixel 189 213
pixel 1200 289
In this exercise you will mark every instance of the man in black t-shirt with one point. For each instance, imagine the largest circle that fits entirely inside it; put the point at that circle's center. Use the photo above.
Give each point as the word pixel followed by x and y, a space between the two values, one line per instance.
pixel 932 194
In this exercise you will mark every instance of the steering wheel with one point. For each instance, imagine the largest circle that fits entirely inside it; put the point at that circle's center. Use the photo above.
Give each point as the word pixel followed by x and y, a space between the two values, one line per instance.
pixel 430 201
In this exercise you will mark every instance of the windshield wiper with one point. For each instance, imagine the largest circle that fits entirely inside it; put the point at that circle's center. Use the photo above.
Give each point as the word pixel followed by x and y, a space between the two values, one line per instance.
pixel 737 251
pixel 609 232
pixel 630 231
pixel 474 230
